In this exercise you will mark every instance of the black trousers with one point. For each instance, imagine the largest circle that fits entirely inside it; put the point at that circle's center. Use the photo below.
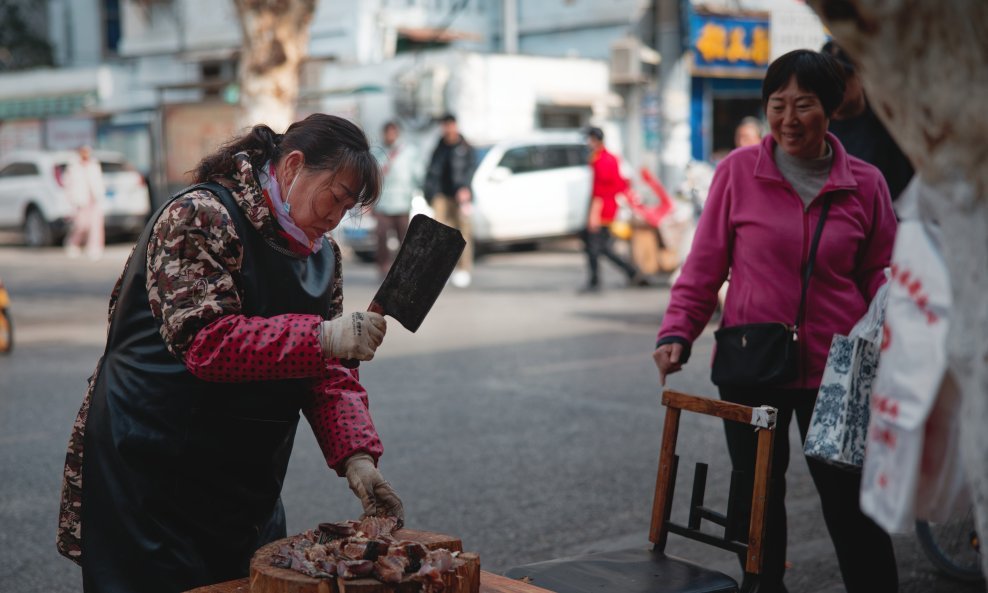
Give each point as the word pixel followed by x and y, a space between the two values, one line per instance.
pixel 864 550
pixel 600 243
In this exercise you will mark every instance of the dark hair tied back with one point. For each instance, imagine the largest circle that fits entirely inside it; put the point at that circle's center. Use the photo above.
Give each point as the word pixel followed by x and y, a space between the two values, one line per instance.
pixel 261 143
pixel 325 141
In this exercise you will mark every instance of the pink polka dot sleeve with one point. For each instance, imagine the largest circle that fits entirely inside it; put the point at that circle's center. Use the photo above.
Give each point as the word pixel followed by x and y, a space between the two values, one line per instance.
pixel 237 348
pixel 340 417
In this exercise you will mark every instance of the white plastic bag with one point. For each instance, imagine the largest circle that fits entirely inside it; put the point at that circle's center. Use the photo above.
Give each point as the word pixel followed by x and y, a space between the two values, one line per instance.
pixel 941 491
pixel 911 371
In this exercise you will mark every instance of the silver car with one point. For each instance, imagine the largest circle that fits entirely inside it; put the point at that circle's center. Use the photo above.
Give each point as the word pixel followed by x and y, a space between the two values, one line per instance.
pixel 524 190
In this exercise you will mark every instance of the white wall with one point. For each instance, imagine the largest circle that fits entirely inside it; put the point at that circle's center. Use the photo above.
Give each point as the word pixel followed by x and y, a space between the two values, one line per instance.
pixel 499 97
pixel 576 28
pixel 494 96
pixel 180 25
pixel 362 32
pixel 41 82
pixel 148 29
pixel 75 30
pixel 582 43
pixel 536 16
pixel 331 33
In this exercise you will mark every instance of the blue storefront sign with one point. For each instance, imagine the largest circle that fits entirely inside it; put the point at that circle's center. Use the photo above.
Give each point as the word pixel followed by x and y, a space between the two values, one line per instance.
pixel 729 46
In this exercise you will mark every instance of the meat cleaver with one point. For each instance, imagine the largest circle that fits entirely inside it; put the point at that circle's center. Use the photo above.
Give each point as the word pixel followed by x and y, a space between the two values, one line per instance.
pixel 424 263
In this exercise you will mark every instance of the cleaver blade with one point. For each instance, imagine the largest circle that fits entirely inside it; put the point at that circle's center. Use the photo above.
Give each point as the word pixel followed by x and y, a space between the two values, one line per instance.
pixel 424 263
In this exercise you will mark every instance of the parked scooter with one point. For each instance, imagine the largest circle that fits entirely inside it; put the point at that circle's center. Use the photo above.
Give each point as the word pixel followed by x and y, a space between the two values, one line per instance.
pixel 6 325
pixel 673 216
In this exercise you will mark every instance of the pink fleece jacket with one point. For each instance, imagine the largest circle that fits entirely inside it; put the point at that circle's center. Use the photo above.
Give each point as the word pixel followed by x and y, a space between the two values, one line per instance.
pixel 754 225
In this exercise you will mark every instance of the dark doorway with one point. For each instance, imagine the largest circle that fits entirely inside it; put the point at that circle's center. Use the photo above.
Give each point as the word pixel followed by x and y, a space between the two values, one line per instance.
pixel 728 113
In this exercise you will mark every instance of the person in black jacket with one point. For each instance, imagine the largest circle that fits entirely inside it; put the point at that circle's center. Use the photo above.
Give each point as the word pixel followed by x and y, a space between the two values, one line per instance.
pixel 447 189
pixel 862 133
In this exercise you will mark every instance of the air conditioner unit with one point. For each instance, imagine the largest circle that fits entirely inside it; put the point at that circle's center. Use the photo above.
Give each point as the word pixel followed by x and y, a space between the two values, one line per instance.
pixel 627 56
pixel 420 94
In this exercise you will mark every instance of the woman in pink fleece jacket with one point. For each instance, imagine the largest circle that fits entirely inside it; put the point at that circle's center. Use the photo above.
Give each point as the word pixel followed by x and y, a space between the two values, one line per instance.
pixel 757 225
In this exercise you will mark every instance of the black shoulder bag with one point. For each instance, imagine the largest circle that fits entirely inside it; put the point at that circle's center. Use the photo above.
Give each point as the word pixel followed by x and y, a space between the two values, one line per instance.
pixel 763 354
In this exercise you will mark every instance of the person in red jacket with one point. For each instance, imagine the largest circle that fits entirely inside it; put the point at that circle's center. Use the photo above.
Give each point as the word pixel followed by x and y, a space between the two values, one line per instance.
pixel 607 184
pixel 226 323
pixel 764 205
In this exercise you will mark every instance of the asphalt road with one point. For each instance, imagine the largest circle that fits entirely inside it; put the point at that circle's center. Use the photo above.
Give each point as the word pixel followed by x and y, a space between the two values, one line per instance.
pixel 521 417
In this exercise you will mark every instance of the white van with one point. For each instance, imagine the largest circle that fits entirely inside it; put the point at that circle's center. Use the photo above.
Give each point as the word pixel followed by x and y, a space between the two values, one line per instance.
pixel 524 189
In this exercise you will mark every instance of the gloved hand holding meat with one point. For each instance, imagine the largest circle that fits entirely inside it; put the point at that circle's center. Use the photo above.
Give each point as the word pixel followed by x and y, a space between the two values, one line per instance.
pixel 218 340
pixel 376 495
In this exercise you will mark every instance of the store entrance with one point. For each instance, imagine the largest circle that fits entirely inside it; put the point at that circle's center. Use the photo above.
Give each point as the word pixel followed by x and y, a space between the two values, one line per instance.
pixel 727 114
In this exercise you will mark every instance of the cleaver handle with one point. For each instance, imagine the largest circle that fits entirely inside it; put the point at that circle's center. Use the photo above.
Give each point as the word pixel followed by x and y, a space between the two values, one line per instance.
pixel 352 363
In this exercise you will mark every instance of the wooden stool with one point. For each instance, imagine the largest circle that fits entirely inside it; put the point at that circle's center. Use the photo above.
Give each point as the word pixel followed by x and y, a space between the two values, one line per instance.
pixel 646 570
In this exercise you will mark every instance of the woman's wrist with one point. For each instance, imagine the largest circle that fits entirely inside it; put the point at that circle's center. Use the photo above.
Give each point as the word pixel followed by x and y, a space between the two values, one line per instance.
pixel 687 346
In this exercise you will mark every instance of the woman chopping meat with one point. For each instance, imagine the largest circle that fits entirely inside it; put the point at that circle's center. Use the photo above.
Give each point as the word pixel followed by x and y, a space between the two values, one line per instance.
pixel 226 322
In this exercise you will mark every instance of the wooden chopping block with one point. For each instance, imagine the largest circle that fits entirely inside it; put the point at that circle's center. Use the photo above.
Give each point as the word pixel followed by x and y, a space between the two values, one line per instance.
pixel 265 578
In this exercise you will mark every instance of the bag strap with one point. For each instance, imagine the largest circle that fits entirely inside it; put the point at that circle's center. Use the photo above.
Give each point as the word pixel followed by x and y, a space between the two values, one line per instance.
pixel 809 265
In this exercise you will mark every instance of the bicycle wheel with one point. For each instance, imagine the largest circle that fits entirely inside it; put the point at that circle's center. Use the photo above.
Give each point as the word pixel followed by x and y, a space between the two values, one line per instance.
pixel 6 332
pixel 953 547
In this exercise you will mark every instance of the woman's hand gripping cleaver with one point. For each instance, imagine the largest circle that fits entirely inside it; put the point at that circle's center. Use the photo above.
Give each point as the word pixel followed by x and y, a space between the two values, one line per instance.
pixel 423 265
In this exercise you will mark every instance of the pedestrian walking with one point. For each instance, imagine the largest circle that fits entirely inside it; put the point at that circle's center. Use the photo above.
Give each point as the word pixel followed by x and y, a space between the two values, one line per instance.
pixel 86 192
pixel 607 184
pixel 401 170
pixel 861 132
pixel 447 189
pixel 759 223
pixel 226 323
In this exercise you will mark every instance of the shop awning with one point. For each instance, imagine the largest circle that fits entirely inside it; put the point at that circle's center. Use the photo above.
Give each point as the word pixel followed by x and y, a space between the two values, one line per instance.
pixel 52 106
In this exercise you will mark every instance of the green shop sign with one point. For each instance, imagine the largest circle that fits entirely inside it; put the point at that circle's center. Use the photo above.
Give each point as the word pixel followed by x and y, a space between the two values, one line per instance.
pixel 41 107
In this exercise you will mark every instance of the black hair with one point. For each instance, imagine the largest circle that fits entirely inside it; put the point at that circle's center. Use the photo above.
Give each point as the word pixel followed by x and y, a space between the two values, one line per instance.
pixel 448 118
pixel 816 72
pixel 595 133
pixel 391 124
pixel 327 142
pixel 837 52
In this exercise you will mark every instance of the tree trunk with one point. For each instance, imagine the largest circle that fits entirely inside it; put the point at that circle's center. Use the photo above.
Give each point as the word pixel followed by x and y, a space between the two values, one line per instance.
pixel 925 68
pixel 275 41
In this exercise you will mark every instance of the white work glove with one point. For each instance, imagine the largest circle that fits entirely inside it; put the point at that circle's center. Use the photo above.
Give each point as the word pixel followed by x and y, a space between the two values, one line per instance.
pixel 356 335
pixel 375 493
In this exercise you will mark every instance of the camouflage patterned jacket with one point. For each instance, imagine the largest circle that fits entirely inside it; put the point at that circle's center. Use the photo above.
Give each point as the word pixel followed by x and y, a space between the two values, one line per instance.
pixel 193 261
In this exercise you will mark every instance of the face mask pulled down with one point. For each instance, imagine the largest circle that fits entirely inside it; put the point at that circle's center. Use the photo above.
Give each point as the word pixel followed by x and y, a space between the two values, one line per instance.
pixel 282 208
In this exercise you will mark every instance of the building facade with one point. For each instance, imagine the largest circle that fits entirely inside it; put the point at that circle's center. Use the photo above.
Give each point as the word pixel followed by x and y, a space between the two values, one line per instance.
pixel 157 79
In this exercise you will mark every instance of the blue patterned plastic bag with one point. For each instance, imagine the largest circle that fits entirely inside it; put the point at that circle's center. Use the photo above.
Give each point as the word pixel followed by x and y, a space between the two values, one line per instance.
pixel 839 427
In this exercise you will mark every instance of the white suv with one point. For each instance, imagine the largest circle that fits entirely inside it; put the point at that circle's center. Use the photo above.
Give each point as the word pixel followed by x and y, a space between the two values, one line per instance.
pixel 524 189
pixel 32 197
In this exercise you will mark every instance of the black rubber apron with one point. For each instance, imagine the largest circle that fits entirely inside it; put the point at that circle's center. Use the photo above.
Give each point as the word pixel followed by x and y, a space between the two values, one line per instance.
pixel 182 477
